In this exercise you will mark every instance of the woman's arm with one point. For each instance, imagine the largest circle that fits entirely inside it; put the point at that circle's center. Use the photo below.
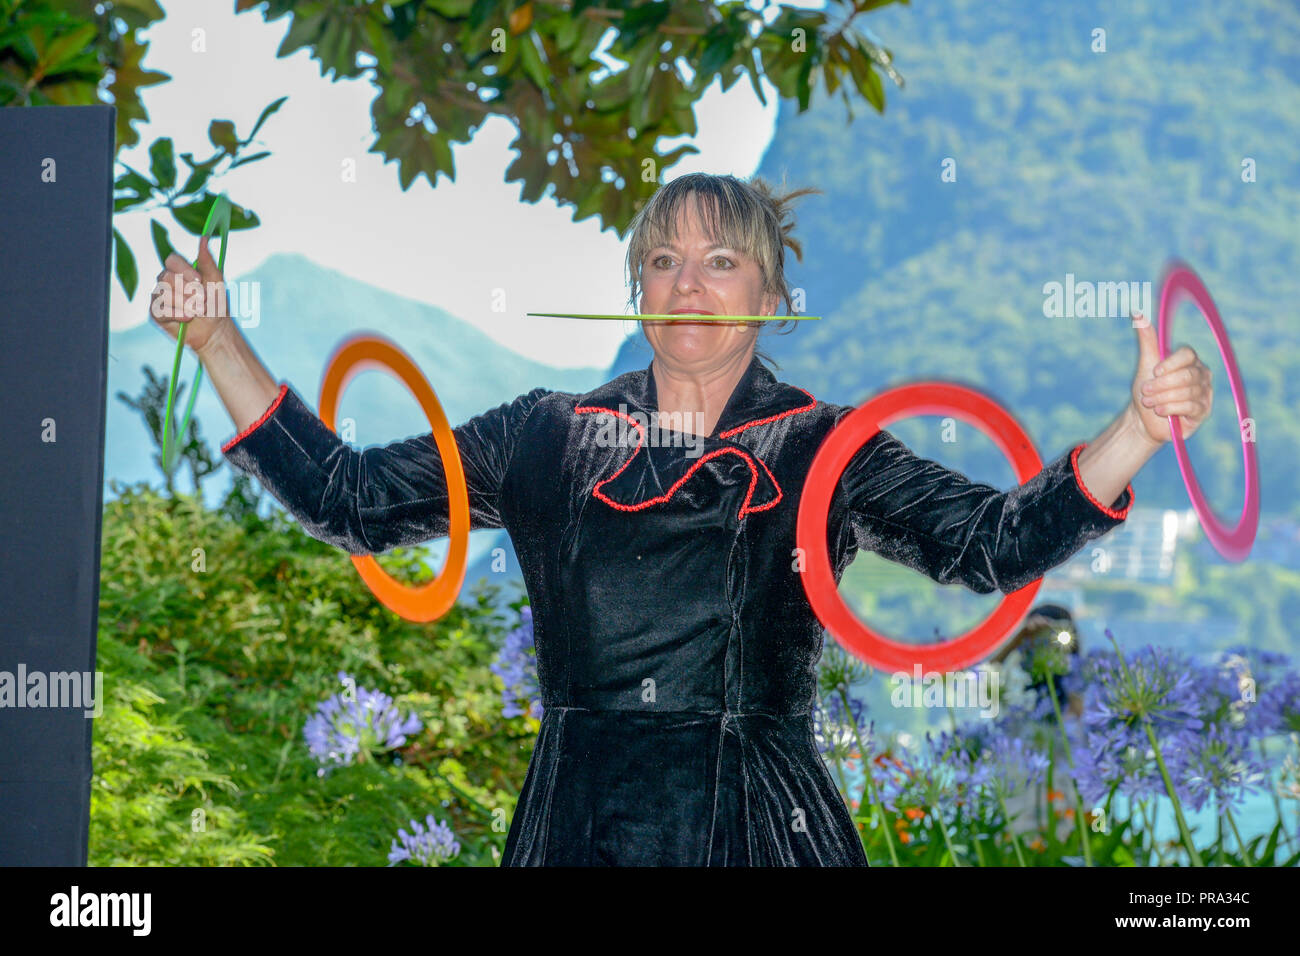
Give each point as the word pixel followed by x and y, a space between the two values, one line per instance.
pixel 1111 459
pixel 243 382
pixel 916 512
pixel 364 502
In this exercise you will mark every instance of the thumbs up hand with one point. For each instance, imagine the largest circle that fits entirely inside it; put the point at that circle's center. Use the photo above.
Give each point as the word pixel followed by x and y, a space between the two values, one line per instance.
pixel 1177 385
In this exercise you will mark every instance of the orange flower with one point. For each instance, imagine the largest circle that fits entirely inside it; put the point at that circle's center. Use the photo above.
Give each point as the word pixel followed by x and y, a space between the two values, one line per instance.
pixel 1069 813
pixel 904 837
pixel 1038 845
pixel 1055 794
pixel 914 813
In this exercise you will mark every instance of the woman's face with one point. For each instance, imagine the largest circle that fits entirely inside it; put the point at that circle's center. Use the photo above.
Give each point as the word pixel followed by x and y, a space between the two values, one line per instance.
pixel 693 274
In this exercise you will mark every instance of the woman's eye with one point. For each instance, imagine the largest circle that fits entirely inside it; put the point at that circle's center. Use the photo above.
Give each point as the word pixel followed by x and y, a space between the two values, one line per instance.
pixel 728 264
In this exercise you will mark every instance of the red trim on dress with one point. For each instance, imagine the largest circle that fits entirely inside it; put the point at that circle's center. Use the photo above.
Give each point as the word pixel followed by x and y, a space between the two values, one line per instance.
pixel 771 418
pixel 745 507
pixel 284 390
pixel 1110 512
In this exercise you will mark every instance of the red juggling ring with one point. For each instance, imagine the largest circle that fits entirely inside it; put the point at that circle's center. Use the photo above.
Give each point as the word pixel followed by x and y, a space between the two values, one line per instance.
pixel 858 428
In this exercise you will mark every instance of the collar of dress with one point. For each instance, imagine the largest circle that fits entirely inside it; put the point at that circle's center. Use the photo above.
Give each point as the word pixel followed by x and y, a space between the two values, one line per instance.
pixel 654 471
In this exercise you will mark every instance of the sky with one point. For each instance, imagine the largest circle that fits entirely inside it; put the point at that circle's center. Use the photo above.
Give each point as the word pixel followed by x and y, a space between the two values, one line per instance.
pixel 450 246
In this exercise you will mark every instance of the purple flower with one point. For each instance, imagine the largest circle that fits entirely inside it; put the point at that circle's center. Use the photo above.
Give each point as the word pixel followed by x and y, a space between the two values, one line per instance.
pixel 832 727
pixel 1254 690
pixel 516 665
pixel 1218 764
pixel 430 844
pixel 355 724
pixel 1011 764
pixel 939 775
pixel 1152 687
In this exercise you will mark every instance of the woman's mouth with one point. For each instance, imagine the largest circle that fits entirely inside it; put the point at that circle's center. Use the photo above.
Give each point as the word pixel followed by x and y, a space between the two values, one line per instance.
pixel 687 312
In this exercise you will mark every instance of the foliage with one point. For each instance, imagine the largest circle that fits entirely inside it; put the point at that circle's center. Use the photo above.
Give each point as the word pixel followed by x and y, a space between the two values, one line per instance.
pixel 587 134
pixel 84 52
pixel 76 53
pixel 219 636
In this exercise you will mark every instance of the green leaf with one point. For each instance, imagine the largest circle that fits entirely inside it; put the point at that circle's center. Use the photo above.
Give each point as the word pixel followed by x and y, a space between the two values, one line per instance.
pixel 222 134
pixel 124 260
pixel 193 215
pixel 383 50
pixel 149 8
pixel 450 8
pixel 715 56
pixel 162 162
pixel 262 118
pixel 142 186
pixel 568 34
pixel 480 11
pixel 197 179
pixel 802 86
pixel 67 47
pixel 751 64
pixel 250 159
pixel 162 245
pixel 531 61
pixel 241 218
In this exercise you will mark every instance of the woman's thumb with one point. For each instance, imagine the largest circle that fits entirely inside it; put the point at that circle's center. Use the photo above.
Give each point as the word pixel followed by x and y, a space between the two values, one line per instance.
pixel 206 265
pixel 1148 342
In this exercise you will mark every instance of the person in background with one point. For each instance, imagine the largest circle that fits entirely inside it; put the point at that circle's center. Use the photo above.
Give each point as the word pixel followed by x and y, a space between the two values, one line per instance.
pixel 1045 648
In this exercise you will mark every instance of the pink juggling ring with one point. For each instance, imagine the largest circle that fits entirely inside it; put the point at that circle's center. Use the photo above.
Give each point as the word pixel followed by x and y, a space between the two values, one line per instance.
pixel 1233 543
pixel 834 455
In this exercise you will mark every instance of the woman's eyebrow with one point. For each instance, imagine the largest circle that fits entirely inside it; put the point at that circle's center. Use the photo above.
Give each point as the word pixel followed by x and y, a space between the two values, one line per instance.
pixel 673 247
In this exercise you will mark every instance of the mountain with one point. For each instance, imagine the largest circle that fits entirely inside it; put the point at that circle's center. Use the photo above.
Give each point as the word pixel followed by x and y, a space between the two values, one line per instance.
pixel 1067 161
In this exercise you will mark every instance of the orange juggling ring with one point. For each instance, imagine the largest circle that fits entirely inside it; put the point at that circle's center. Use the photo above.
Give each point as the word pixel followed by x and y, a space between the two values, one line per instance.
pixel 430 601
pixel 844 441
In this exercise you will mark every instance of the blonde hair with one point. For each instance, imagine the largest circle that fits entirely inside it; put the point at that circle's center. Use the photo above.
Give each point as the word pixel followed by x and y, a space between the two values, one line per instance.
pixel 749 216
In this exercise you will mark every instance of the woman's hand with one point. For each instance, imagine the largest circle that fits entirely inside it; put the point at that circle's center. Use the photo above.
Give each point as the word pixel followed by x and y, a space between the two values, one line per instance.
pixel 1179 385
pixel 195 297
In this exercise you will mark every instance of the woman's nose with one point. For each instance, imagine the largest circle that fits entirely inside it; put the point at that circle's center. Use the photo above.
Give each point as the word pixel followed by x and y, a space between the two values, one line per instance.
pixel 688 279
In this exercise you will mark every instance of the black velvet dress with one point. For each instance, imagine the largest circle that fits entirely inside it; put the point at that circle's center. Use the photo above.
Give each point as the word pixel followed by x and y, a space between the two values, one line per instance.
pixel 676 649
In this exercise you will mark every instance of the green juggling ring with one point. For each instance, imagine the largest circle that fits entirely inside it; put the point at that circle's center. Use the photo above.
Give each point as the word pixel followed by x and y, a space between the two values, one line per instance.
pixel 683 317
pixel 218 219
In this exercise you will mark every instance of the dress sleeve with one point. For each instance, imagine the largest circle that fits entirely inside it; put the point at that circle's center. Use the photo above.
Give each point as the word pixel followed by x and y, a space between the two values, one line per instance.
pixel 916 512
pixel 367 502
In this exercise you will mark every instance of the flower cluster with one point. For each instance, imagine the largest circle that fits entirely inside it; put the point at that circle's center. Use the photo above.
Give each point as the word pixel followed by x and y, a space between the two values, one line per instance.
pixel 356 724
pixel 429 844
pixel 516 665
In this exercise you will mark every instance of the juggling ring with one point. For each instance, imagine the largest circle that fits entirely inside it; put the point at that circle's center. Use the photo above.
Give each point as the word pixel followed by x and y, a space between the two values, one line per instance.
pixel 1233 543
pixel 858 428
pixel 430 601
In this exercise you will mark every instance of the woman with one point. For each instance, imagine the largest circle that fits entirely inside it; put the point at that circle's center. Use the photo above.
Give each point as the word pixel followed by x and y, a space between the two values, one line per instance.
pixel 676 649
